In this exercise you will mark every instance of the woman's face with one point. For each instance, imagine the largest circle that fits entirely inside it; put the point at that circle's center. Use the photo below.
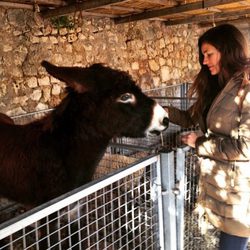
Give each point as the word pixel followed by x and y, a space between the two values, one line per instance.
pixel 211 58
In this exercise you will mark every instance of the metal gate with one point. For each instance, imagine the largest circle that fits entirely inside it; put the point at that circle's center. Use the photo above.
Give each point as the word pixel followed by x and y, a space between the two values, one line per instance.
pixel 119 211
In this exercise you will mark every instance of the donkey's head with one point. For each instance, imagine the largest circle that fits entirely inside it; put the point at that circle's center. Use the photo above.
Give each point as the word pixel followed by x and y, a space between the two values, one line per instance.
pixel 110 101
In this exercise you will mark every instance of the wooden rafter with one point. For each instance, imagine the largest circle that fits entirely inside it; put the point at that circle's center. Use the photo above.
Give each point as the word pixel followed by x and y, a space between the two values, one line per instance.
pixel 51 2
pixel 42 2
pixel 17 5
pixel 171 11
pixel 174 10
pixel 20 4
pixel 87 5
pixel 96 14
pixel 162 2
pixel 209 18
pixel 245 3
pixel 121 8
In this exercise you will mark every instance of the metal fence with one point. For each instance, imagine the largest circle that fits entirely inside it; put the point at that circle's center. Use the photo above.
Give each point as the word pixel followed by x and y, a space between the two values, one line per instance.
pixel 141 199
pixel 119 211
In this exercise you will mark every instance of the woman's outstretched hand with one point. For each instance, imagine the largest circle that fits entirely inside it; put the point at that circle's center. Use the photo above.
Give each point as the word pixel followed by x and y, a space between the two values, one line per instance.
pixel 189 139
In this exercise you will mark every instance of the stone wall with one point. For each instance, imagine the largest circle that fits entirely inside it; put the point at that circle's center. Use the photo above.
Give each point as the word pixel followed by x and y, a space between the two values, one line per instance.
pixel 155 55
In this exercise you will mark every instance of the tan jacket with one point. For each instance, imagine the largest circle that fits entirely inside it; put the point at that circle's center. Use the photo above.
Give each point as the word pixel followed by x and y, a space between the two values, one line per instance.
pixel 224 153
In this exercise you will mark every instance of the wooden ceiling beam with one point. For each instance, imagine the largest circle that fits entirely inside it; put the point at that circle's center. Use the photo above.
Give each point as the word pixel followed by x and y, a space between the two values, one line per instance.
pixel 42 2
pixel 121 8
pixel 51 2
pixel 240 22
pixel 17 5
pixel 173 10
pixel 87 5
pixel 162 2
pixel 244 3
pixel 96 14
pixel 209 18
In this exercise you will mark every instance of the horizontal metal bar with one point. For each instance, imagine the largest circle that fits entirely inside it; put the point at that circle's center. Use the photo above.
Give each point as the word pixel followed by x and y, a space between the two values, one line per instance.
pixel 130 146
pixel 171 98
pixel 166 87
pixel 32 113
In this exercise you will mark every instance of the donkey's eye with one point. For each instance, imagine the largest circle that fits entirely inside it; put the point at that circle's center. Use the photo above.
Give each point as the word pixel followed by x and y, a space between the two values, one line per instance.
pixel 126 98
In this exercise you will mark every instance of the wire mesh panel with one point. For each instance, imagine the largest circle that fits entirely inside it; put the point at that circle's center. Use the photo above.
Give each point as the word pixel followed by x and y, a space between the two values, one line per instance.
pixel 174 95
pixel 116 157
pixel 117 212
pixel 198 233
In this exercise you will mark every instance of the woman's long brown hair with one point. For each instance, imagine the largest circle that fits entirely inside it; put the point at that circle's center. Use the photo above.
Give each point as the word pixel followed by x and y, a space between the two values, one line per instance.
pixel 233 48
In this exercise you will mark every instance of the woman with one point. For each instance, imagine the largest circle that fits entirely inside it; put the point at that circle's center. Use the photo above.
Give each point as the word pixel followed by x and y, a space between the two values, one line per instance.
pixel 222 111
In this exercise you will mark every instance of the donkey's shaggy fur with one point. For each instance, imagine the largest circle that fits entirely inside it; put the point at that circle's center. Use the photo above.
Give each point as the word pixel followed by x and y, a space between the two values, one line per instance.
pixel 53 155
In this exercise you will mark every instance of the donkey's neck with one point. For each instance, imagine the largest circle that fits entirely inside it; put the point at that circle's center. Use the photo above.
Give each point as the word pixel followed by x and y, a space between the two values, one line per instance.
pixel 82 143
pixel 83 158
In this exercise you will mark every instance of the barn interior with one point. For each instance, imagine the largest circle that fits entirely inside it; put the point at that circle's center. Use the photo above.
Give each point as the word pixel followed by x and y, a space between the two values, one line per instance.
pixel 171 12
pixel 155 41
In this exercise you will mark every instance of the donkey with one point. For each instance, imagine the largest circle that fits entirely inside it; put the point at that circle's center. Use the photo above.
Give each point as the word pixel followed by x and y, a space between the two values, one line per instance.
pixel 59 152
pixel 6 119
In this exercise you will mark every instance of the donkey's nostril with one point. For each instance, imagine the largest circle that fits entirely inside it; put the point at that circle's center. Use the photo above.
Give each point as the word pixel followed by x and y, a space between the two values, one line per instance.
pixel 165 121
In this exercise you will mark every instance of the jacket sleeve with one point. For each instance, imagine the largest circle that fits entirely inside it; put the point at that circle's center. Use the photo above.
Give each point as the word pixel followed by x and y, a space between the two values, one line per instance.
pixel 182 118
pixel 229 148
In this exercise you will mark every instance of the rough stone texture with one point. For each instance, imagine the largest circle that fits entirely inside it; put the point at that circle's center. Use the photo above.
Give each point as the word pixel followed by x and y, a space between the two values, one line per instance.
pixel 154 54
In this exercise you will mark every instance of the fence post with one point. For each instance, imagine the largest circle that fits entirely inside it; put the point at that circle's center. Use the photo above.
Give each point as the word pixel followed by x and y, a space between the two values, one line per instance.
pixel 180 196
pixel 168 200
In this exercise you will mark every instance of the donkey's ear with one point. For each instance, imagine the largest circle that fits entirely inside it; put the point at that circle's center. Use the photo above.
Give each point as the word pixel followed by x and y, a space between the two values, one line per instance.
pixel 70 75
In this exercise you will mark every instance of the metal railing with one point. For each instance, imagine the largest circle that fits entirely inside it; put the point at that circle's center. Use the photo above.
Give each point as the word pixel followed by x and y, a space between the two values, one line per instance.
pixel 119 211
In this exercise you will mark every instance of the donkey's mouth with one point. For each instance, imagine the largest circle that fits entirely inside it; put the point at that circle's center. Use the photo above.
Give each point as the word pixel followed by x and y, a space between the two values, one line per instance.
pixel 159 121
pixel 154 132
